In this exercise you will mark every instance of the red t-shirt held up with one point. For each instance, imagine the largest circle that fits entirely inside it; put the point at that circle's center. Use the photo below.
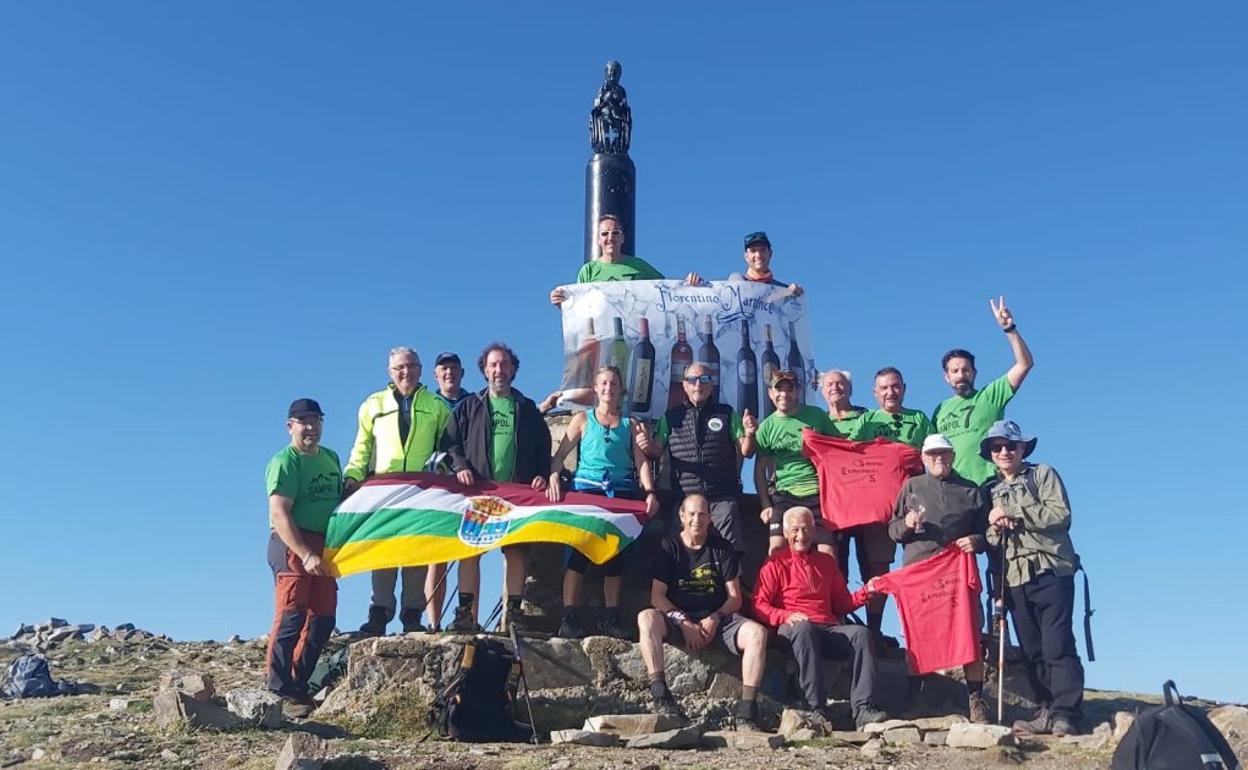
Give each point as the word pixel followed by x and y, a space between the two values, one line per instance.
pixel 859 480
pixel 938 599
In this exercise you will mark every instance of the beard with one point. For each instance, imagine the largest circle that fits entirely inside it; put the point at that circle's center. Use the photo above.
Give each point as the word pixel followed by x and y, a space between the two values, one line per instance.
pixel 964 388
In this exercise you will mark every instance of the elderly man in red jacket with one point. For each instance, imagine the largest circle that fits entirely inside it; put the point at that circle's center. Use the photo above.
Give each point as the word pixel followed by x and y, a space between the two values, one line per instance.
pixel 802 593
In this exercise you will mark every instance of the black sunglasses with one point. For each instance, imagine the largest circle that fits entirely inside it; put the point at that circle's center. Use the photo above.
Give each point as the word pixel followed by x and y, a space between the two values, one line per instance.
pixel 1010 445
pixel 705 379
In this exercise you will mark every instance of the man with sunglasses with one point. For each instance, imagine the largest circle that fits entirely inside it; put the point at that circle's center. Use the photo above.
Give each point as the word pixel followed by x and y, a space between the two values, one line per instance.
pixel 400 426
pixel 779 446
pixel 964 416
pixel 1030 521
pixel 611 264
pixel 705 439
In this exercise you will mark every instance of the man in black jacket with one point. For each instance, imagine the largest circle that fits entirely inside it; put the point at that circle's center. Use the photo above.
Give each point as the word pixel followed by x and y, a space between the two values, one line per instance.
pixel 497 434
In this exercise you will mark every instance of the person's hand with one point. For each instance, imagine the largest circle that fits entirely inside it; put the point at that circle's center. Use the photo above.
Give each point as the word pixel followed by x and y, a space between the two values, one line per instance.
pixel 967 544
pixel 554 490
pixel 652 503
pixel 557 296
pixel 349 486
pixel 796 289
pixel 641 437
pixel 694 640
pixel 796 617
pixel 913 520
pixel 750 423
pixel 465 477
pixel 1005 319
pixel 709 625
pixel 314 565
pixel 998 518
pixel 693 279
pixel 873 587
pixel 549 402
pixel 538 483
pixel 765 515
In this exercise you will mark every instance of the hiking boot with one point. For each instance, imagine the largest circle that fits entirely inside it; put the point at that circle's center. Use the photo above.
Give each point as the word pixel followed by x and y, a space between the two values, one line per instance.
pixel 666 706
pixel 745 717
pixel 609 625
pixel 411 621
pixel 378 617
pixel 570 626
pixel 297 706
pixel 869 713
pixel 1041 723
pixel 977 709
pixel 522 623
pixel 1063 726
pixel 464 622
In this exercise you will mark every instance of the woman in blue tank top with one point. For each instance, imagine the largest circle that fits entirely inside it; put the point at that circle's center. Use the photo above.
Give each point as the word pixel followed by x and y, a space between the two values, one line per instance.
pixel 611 463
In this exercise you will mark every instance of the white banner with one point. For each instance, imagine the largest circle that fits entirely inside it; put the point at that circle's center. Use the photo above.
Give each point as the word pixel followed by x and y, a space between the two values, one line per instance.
pixel 652 330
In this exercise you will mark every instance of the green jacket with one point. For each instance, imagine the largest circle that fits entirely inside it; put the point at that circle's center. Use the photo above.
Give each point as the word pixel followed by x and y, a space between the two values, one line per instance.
pixel 1042 542
pixel 377 447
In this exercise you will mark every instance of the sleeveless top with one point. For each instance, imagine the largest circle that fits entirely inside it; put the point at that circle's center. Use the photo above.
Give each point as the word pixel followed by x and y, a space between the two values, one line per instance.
pixel 606 457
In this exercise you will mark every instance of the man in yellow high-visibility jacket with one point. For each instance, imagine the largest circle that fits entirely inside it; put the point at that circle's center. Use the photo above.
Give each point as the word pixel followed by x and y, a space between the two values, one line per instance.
pixel 400 428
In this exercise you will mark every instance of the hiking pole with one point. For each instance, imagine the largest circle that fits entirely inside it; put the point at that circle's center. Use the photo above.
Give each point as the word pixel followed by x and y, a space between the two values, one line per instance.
pixel 524 680
pixel 999 606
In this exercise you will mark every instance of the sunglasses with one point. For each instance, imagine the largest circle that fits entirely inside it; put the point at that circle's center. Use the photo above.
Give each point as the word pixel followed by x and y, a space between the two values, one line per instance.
pixel 609 233
pixel 705 379
pixel 1008 445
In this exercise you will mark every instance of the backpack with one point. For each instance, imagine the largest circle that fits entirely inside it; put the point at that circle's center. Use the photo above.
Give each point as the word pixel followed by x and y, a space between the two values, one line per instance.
pixel 29 677
pixel 475 705
pixel 329 669
pixel 1173 736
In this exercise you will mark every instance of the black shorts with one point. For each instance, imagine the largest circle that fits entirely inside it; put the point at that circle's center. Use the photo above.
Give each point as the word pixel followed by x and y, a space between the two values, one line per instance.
pixel 783 501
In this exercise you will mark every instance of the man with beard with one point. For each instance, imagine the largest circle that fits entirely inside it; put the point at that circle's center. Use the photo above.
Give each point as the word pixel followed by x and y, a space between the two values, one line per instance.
pixel 965 416
pixel 757 265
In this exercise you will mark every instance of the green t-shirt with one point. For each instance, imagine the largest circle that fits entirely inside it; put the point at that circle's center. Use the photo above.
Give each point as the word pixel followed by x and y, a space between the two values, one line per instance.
pixel 780 436
pixel 503 431
pixel 965 419
pixel 662 431
pixel 313 482
pixel 624 269
pixel 849 427
pixel 909 426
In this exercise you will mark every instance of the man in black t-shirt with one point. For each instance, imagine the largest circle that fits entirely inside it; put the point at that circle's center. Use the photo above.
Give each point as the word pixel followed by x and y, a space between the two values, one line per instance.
pixel 695 598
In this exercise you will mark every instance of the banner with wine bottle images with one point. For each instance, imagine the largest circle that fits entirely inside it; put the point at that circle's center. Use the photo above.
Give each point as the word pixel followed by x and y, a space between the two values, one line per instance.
pixel 652 330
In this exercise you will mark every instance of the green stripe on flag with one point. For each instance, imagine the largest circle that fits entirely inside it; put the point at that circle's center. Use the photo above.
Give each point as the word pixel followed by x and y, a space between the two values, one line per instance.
pixel 400 522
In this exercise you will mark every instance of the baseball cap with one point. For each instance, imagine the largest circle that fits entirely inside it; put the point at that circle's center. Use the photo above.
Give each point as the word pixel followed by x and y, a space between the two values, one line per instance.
pixel 301 406
pixel 1008 430
pixel 780 375
pixel 936 443
pixel 757 237
pixel 447 357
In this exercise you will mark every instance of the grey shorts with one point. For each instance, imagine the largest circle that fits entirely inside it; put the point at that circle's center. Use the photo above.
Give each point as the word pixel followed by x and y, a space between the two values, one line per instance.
pixel 725 636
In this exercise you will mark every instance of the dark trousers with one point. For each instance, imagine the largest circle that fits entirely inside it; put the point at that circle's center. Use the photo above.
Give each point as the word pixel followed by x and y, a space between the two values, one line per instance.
pixel 811 642
pixel 302 620
pixel 1042 610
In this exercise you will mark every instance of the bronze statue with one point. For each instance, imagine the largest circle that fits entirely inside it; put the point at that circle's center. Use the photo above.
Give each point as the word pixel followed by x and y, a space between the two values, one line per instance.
pixel 611 120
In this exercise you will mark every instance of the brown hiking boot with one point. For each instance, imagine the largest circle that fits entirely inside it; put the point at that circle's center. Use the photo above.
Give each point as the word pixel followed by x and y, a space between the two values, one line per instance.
pixel 977 709
pixel 1041 723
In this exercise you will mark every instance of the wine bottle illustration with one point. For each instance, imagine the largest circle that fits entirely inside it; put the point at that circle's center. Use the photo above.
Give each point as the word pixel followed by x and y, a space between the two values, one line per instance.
pixel 771 364
pixel 797 365
pixel 708 356
pixel 747 374
pixel 587 358
pixel 682 356
pixel 641 371
pixel 617 354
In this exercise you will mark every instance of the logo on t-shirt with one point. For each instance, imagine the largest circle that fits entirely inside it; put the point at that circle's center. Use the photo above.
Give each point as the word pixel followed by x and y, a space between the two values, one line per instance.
pixel 324 485
pixel 715 424
pixel 485 521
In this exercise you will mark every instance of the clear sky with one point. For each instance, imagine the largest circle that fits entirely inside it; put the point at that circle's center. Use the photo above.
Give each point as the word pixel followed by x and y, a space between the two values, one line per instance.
pixel 207 210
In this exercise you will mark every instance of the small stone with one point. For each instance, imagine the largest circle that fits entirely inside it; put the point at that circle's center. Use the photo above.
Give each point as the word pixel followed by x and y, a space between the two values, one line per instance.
pixel 1099 738
pixel 965 735
pixel 801 735
pixel 936 737
pixel 741 739
pixel 584 738
pixel 902 736
pixel 630 725
pixel 173 709
pixel 170 756
pixel 191 683
pixel 872 748
pixel 682 738
pixel 56 622
pixel 876 728
pixel 259 707
pixel 792 720
pixel 38 755
pixel 303 751
pixel 849 737
pixel 1232 722
pixel 561 764
pixel 938 723
pixel 1123 720
pixel 234 639
pixel 119 704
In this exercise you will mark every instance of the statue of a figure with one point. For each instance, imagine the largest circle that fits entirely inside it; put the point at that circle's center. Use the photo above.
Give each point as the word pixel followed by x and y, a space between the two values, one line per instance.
pixel 611 120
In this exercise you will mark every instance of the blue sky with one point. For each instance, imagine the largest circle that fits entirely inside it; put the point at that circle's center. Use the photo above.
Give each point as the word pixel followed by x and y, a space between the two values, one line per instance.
pixel 206 211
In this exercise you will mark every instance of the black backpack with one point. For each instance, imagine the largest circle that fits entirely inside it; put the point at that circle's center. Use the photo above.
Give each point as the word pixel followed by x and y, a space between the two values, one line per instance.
pixel 29 677
pixel 1173 736
pixel 476 704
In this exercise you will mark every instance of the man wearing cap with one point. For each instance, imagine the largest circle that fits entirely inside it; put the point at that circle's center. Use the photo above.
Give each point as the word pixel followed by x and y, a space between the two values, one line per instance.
pixel 892 420
pixel 757 265
pixel 497 434
pixel 803 595
pixel 933 510
pixel 304 484
pixel 966 415
pixel 1030 518
pixel 611 264
pixel 448 373
pixel 706 440
pixel 779 449
pixel 399 429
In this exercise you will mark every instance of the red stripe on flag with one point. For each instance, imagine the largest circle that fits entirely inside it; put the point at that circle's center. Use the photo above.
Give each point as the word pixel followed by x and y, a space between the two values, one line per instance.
pixel 516 494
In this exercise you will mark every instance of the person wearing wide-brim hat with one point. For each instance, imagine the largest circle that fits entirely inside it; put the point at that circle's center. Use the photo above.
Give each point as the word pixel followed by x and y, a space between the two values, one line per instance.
pixel 1030 521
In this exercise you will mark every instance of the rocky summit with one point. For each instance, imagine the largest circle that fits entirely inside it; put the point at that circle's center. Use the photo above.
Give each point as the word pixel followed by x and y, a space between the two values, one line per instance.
pixel 143 700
